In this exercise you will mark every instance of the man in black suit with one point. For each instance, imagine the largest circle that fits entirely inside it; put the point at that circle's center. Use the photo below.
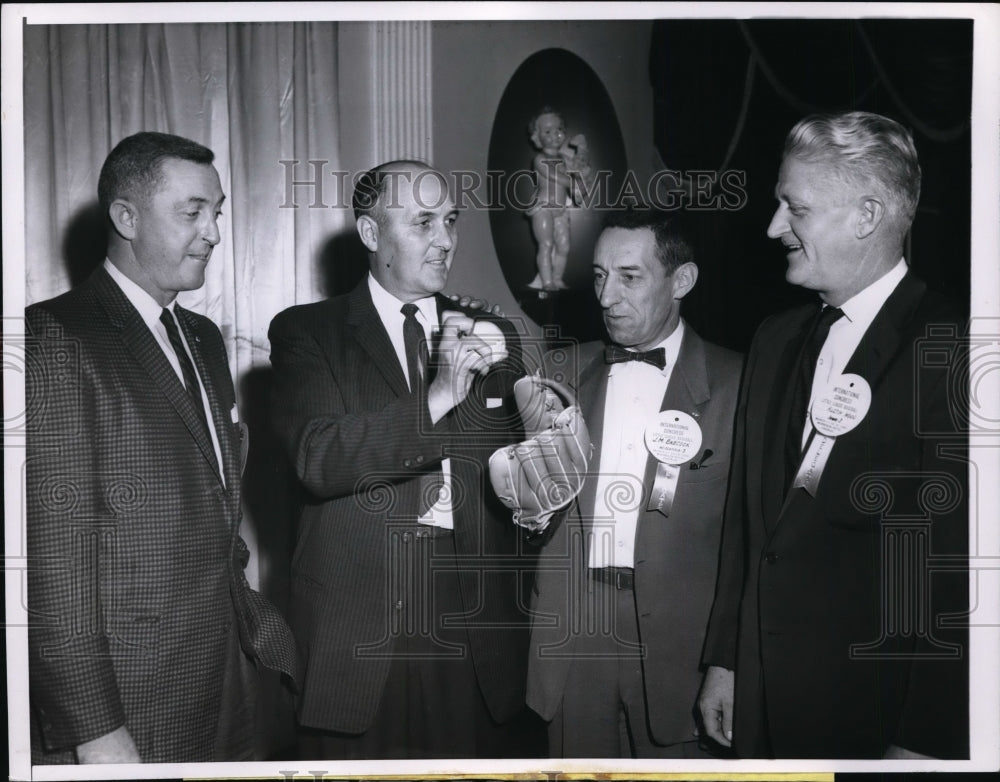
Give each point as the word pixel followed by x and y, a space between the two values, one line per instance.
pixel 405 579
pixel 837 625
pixel 143 630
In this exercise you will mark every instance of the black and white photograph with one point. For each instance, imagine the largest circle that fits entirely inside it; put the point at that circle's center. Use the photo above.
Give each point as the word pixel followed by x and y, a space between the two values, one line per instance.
pixel 520 390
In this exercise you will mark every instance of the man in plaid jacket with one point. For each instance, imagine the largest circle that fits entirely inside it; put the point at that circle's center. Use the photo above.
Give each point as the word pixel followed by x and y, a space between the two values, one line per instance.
pixel 144 633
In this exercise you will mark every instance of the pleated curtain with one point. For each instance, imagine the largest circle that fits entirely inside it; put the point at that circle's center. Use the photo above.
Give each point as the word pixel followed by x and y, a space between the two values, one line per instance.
pixel 256 94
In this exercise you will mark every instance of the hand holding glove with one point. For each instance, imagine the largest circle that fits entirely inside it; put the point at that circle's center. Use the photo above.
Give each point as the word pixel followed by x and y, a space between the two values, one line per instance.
pixel 544 473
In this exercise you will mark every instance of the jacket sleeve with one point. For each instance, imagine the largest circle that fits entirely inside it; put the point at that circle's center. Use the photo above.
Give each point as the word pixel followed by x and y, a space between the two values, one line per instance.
pixel 333 450
pixel 73 687
pixel 721 635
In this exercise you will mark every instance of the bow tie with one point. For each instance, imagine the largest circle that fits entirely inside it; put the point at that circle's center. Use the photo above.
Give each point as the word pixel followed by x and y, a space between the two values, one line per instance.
pixel 616 355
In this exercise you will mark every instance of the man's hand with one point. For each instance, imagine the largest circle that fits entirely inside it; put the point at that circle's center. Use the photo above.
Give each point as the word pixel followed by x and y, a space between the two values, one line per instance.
pixel 476 304
pixel 114 747
pixel 537 403
pixel 715 702
pixel 460 356
pixel 490 333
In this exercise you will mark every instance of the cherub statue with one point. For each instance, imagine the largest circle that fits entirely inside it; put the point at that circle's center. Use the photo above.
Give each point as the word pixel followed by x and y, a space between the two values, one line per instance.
pixel 562 165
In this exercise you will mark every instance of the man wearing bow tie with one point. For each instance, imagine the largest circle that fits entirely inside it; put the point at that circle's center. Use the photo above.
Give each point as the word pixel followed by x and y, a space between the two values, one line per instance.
pixel 406 575
pixel 626 573
pixel 144 633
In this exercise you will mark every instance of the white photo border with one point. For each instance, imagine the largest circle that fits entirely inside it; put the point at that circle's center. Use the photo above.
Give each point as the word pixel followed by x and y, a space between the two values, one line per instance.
pixel 984 309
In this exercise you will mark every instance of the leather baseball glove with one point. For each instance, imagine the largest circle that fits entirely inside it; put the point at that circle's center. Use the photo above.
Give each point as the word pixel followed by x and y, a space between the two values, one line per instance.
pixel 543 474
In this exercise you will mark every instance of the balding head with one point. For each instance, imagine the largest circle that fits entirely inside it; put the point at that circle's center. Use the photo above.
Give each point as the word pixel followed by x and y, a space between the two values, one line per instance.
pixel 407 220
pixel 379 189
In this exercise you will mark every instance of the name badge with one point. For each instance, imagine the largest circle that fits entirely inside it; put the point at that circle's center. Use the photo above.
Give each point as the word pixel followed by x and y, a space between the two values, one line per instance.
pixel 842 405
pixel 839 408
pixel 673 438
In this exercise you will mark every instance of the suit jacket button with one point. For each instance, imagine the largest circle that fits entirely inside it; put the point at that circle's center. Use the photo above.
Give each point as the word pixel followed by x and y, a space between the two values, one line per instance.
pixel 407 462
pixel 771 557
pixel 420 460
pixel 399 605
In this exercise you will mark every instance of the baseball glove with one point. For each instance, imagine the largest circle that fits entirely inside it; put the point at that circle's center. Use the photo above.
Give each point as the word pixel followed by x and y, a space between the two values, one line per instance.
pixel 543 474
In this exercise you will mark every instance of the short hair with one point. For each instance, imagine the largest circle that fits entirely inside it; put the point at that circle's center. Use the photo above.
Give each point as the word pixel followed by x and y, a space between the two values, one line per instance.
pixel 372 186
pixel 134 169
pixel 673 244
pixel 863 149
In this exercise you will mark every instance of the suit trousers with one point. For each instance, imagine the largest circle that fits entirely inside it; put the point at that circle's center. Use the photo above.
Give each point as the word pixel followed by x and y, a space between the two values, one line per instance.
pixel 603 712
pixel 431 705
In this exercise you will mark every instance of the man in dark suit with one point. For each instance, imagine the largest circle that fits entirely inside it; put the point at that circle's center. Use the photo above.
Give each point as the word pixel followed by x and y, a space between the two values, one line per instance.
pixel 626 575
pixel 405 579
pixel 843 583
pixel 143 630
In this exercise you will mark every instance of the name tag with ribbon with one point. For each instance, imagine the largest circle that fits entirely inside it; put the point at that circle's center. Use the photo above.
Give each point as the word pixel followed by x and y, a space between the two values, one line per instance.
pixel 838 409
pixel 673 438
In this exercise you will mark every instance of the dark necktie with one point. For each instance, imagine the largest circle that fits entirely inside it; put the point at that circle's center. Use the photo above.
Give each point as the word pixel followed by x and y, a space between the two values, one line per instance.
pixel 415 345
pixel 616 355
pixel 417 360
pixel 818 332
pixel 191 384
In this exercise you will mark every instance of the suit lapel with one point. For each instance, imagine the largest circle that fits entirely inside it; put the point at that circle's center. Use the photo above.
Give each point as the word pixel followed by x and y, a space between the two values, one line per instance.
pixel 212 378
pixel 688 387
pixel 687 391
pixel 371 336
pixel 881 341
pixel 148 354
pixel 771 439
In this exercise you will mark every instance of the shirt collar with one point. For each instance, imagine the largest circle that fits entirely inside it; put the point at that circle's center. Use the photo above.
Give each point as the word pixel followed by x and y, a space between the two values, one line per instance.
pixel 149 309
pixel 388 306
pixel 865 305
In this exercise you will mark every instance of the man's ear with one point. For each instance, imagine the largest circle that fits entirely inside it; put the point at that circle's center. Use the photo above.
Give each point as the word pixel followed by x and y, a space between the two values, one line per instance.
pixel 368 231
pixel 685 276
pixel 870 216
pixel 125 218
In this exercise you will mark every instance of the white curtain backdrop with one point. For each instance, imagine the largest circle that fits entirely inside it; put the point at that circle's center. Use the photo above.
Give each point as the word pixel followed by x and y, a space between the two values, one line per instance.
pixel 256 94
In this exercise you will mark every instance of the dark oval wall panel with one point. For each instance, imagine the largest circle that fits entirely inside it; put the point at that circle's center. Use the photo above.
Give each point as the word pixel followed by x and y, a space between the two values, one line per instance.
pixel 563 81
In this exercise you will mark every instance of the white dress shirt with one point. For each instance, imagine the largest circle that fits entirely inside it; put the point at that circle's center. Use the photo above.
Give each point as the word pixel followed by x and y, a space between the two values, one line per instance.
pixel 390 312
pixel 845 335
pixel 635 395
pixel 149 311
